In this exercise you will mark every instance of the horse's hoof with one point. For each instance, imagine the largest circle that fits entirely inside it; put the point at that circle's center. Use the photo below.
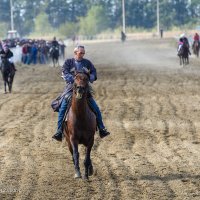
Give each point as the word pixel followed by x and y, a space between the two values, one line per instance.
pixel 85 178
pixel 77 175
pixel 90 170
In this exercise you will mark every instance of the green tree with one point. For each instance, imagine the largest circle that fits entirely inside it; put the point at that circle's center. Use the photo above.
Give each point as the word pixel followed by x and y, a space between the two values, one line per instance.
pixel 180 8
pixel 42 24
pixel 68 29
pixel 194 11
pixel 94 22
pixel 3 29
pixel 61 11
pixel 5 11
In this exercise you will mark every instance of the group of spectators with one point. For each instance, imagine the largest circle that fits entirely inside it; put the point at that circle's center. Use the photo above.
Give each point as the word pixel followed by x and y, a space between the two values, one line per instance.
pixel 37 51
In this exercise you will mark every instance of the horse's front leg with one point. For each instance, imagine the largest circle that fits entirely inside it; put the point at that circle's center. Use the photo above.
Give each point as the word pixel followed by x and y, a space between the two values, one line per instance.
pixel 88 162
pixel 76 159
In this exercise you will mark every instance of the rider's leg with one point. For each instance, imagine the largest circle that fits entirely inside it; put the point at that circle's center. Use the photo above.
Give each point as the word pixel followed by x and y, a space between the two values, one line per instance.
pixel 102 130
pixel 61 115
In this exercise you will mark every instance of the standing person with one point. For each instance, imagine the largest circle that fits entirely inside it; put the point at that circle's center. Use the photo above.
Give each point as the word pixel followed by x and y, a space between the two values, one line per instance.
pixel 161 33
pixel 24 53
pixel 78 63
pixel 62 49
pixel 33 54
pixel 123 36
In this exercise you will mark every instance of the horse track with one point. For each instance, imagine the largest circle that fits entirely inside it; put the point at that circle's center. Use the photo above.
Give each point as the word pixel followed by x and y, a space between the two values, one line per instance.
pixel 150 104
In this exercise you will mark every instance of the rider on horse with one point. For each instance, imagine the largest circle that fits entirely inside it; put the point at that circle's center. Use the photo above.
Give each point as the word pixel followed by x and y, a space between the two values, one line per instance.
pixel 7 54
pixel 54 42
pixel 196 39
pixel 183 40
pixel 78 64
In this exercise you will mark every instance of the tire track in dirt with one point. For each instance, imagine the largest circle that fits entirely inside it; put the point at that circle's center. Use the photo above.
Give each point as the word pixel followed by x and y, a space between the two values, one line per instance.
pixel 119 162
pixel 160 167
pixel 167 131
pixel 13 161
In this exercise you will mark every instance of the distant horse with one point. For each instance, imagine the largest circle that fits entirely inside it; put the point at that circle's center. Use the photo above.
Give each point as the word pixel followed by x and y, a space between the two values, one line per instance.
pixel 80 126
pixel 54 54
pixel 8 74
pixel 196 47
pixel 184 54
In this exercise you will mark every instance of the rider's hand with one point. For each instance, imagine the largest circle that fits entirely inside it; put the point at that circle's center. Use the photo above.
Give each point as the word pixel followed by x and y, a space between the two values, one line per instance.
pixel 92 78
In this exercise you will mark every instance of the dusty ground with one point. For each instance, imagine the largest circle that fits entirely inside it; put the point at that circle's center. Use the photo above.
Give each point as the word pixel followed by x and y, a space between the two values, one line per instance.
pixel 150 105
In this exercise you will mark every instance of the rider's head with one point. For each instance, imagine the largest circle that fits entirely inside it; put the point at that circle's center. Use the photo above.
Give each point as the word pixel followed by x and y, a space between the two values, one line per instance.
pixel 54 38
pixel 5 47
pixel 79 52
pixel 181 39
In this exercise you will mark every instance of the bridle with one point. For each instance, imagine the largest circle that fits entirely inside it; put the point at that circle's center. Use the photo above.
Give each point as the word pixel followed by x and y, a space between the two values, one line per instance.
pixel 79 90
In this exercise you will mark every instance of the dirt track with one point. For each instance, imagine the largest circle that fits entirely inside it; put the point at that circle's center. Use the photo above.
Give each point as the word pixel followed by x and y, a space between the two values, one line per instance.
pixel 149 103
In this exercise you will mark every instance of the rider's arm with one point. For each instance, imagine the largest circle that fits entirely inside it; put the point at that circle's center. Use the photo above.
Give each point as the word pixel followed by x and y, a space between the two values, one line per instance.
pixel 9 54
pixel 93 72
pixel 67 70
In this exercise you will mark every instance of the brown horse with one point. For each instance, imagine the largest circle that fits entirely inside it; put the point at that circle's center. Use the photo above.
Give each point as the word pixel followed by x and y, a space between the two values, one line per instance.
pixel 80 126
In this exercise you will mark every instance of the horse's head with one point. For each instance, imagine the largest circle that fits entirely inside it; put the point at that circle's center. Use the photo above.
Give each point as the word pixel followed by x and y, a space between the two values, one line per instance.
pixel 81 84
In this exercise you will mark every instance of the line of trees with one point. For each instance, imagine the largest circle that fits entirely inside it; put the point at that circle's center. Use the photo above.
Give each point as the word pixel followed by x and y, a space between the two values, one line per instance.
pixel 89 17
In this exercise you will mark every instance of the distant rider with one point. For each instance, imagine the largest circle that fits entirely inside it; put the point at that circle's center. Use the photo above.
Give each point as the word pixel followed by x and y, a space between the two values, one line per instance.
pixel 196 39
pixel 180 44
pixel 184 40
pixel 54 42
pixel 6 53
pixel 78 63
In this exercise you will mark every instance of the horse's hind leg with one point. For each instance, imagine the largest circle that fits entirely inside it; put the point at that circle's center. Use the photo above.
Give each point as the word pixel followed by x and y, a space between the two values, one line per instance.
pixel 187 60
pixel 180 60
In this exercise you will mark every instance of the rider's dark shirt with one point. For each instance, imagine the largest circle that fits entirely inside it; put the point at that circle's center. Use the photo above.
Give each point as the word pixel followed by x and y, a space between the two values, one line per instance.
pixel 71 65
pixel 55 43
pixel 7 54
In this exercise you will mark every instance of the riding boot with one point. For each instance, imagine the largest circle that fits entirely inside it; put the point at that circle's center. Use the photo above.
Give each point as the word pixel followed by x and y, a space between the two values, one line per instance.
pixel 102 130
pixel 61 115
